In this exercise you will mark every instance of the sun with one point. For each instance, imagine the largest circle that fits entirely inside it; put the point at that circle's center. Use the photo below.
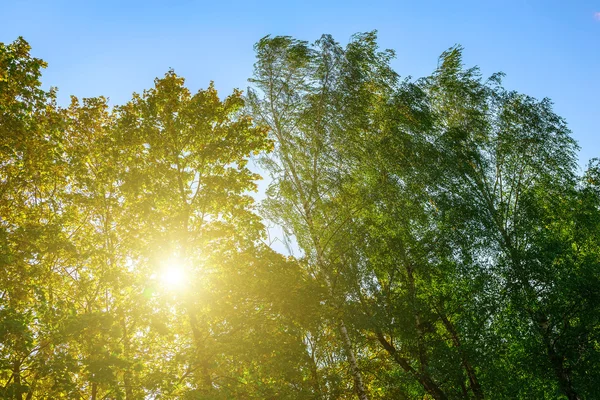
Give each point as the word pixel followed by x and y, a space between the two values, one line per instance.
pixel 173 273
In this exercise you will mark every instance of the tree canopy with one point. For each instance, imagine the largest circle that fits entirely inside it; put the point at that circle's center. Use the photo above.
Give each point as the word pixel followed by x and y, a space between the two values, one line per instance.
pixel 448 247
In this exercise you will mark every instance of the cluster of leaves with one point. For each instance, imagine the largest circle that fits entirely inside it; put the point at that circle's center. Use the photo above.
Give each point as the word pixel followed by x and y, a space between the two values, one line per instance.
pixel 448 248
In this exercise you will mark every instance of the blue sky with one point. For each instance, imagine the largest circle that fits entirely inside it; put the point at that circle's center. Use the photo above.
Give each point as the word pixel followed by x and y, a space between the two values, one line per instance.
pixel 113 48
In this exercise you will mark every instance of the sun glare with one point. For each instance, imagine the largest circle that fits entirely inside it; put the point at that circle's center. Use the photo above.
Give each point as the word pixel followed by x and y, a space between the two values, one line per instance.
pixel 173 273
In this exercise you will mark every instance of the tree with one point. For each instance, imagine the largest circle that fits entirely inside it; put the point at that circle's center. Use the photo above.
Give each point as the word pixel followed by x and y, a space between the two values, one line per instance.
pixel 31 171
pixel 435 212
pixel 95 202
pixel 186 187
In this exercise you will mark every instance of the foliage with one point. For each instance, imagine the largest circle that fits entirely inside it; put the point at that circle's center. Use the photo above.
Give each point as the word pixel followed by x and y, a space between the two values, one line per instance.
pixel 448 247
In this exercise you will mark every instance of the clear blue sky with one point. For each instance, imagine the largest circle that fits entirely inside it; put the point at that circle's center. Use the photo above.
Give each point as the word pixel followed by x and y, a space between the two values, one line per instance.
pixel 113 48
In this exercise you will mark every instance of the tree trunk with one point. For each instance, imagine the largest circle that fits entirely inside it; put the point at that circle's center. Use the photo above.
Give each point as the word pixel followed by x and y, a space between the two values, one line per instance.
pixel 17 378
pixel 127 381
pixel 422 377
pixel 473 381
pixel 94 391
pixel 359 386
pixel 563 375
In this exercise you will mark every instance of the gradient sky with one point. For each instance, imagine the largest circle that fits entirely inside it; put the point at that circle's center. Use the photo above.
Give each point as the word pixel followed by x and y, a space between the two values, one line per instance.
pixel 113 48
